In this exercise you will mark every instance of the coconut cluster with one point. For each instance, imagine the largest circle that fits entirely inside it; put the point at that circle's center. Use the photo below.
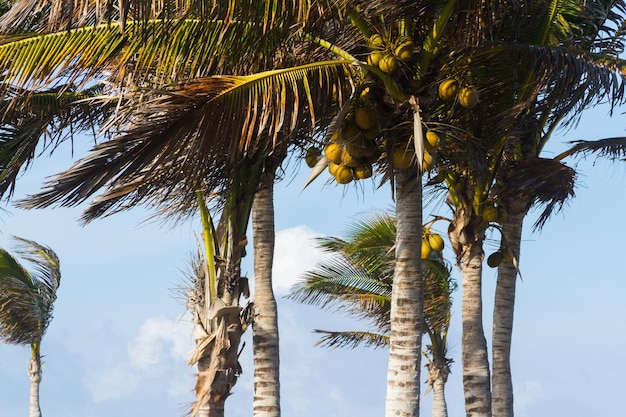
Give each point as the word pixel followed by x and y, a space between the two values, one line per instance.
pixel 467 96
pixel 386 54
pixel 430 242
pixel 352 149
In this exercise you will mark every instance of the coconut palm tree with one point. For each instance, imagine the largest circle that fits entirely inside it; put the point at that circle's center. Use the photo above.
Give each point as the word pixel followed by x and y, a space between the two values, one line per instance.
pixel 26 304
pixel 357 278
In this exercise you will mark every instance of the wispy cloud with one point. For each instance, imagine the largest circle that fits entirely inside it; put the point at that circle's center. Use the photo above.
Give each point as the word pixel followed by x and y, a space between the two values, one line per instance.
pixel 527 394
pixel 160 342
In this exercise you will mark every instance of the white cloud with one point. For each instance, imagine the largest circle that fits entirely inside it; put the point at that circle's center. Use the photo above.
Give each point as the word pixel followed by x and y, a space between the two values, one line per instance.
pixel 527 394
pixel 159 338
pixel 114 383
pixel 160 342
pixel 294 253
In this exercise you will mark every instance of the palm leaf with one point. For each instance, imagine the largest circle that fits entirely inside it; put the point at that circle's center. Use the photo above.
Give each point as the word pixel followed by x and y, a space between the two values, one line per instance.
pixel 351 339
pixel 26 298
pixel 182 137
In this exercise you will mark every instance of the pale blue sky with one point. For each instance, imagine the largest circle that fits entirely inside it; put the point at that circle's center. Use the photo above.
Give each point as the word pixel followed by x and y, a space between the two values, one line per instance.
pixel 119 341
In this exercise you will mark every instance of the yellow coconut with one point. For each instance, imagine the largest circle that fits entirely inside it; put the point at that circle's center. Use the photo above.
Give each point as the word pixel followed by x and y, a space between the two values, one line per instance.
pixel 333 152
pixel 435 241
pixel 312 156
pixel 332 168
pixel 403 158
pixel 343 174
pixel 376 42
pixel 387 63
pixel 365 117
pixel 432 140
pixel 468 97
pixel 425 249
pixel 429 161
pixel 404 51
pixel 373 58
pixel 348 160
pixel 362 171
pixel 448 89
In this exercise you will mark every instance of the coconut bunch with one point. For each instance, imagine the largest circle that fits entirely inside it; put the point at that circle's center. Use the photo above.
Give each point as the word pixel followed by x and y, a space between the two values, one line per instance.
pixel 386 54
pixel 431 242
pixel 467 95
pixel 353 148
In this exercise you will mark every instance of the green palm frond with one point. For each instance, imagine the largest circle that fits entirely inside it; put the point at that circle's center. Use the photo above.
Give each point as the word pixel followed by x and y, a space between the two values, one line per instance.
pixel 345 282
pixel 351 339
pixel 155 51
pixel 41 121
pixel 26 298
pixel 183 136
pixel 60 15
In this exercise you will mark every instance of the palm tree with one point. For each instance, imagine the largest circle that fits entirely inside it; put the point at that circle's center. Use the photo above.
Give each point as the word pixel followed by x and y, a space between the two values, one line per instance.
pixel 357 278
pixel 26 301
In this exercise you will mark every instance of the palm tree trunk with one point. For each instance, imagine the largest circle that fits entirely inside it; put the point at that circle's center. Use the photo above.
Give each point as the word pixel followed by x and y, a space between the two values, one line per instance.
pixel 34 373
pixel 475 358
pixel 265 324
pixel 407 301
pixel 502 384
pixel 440 408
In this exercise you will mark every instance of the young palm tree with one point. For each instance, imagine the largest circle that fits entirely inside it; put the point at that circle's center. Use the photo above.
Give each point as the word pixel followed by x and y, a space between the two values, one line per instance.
pixel 26 301
pixel 357 278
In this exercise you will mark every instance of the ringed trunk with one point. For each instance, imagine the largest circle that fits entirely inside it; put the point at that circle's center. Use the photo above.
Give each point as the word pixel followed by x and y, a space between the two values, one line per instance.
pixel 407 301
pixel 502 384
pixel 475 358
pixel 265 324
pixel 34 374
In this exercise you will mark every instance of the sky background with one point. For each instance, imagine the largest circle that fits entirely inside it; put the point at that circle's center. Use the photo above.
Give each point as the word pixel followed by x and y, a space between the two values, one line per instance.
pixel 120 339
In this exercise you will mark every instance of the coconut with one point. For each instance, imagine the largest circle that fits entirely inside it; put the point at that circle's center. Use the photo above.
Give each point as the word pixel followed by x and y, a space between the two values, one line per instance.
pixel 365 117
pixel 403 158
pixel 333 152
pixel 312 156
pixel 490 213
pixel 387 63
pixel 468 97
pixel 425 249
pixel 376 42
pixel 343 174
pixel 348 160
pixel 435 241
pixel 362 171
pixel 495 259
pixel 448 89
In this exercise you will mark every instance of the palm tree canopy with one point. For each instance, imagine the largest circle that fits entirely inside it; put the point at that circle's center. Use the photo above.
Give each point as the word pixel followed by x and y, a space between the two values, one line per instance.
pixel 27 296
pixel 357 279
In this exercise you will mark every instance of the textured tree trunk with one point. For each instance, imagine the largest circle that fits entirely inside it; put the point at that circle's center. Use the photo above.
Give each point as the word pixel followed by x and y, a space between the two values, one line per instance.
pixel 440 408
pixel 34 373
pixel 407 301
pixel 475 357
pixel 265 323
pixel 502 384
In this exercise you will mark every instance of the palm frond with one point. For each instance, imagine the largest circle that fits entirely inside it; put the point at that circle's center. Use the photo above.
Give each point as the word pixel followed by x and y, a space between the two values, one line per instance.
pixel 42 121
pixel 611 148
pixel 182 137
pixel 542 181
pixel 351 339
pixel 27 298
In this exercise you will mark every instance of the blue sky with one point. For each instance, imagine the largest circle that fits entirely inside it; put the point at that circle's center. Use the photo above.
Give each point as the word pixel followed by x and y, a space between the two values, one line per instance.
pixel 119 341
